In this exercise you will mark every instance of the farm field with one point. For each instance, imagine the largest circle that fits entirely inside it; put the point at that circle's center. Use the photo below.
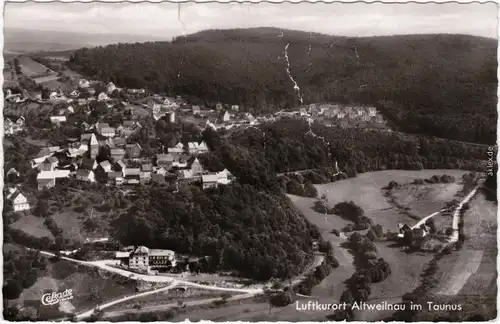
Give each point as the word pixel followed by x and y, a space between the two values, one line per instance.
pixel 33 226
pixel 31 68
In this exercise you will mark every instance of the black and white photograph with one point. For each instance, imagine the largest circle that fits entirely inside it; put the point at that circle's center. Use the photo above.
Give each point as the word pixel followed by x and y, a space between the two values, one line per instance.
pixel 254 162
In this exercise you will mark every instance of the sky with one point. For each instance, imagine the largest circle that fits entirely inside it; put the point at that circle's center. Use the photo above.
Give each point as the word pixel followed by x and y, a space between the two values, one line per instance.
pixel 162 19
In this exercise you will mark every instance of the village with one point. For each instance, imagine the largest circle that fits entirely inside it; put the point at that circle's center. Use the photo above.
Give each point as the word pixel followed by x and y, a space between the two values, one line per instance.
pixel 124 163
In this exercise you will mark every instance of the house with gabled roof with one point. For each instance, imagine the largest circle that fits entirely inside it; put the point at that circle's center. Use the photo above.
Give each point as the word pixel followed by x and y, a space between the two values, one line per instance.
pixel 110 87
pixel 177 149
pixel 226 117
pixel 209 180
pixel 196 110
pixel 133 175
pixel 196 167
pixel 102 97
pixel 115 178
pixel 56 120
pixel 106 166
pixel 120 166
pixel 19 201
pixel 164 161
pixel 85 175
pixel 146 171
pixel 117 154
pixel 49 164
pixel 88 164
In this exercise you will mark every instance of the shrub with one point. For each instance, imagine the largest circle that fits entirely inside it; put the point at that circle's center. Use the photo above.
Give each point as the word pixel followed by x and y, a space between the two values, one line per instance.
pixel 336 232
pixel 310 190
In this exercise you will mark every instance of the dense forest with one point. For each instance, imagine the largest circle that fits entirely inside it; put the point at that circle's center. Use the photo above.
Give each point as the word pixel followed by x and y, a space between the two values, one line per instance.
pixel 441 85
pixel 285 146
pixel 260 235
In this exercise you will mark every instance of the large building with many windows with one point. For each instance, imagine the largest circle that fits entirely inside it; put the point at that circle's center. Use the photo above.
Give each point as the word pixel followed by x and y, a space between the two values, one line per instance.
pixel 143 258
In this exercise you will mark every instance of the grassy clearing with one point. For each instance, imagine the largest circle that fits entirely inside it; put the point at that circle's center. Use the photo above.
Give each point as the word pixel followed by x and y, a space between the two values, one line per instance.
pixel 33 226
pixel 79 226
pixel 473 268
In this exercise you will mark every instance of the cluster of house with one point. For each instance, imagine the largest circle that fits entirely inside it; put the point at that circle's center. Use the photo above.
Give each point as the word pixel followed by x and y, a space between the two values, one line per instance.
pixel 418 232
pixel 79 160
pixel 143 258
pixel 10 128
pixel 363 113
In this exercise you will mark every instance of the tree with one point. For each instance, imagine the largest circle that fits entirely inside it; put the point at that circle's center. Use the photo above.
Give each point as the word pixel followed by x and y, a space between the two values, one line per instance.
pixel 310 190
pixel 12 289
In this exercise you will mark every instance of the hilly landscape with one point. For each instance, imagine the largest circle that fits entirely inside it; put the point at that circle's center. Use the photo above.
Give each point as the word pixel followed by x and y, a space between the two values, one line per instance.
pixel 440 85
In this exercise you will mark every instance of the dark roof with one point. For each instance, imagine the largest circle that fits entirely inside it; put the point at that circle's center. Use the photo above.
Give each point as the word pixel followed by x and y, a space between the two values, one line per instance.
pixel 165 157
pixel 147 167
pixel 112 175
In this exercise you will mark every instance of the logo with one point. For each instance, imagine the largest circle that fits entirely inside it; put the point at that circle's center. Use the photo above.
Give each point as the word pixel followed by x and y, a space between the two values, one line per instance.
pixel 55 298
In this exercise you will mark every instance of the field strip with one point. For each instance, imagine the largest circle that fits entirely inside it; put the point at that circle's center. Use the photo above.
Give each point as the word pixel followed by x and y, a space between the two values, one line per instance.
pixel 461 271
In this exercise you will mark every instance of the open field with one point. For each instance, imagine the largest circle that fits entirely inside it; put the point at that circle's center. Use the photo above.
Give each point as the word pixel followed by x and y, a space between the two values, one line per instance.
pixel 472 269
pixel 73 225
pixel 333 285
pixel 33 226
pixel 31 68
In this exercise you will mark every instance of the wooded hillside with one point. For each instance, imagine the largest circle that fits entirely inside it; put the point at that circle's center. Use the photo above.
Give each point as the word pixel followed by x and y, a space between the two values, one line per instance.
pixel 442 85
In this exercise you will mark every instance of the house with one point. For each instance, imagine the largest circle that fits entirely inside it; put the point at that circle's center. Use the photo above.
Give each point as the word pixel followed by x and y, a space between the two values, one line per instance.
pixel 47 179
pixel 209 180
pixel 372 111
pixel 100 126
pixel 88 164
pixel 133 175
pixel 93 146
pixel 235 108
pixel 185 175
pixel 202 148
pixel 19 201
pixel 161 171
pixel 133 151
pixel 226 117
pixel 85 126
pixel 108 132
pixel 249 117
pixel 177 149
pixel 102 97
pixel 119 142
pixel 196 167
pixel 57 119
pixel 196 110
pixel 146 171
pixel 164 161
pixel 85 175
pixel 12 172
pixel 81 101
pixel 115 178
pixel 20 121
pixel 70 109
pixel 223 177
pixel 117 154
pixel 74 94
pixel 218 106
pixel 110 88
pixel 83 83
pixel 106 166
pixel 49 164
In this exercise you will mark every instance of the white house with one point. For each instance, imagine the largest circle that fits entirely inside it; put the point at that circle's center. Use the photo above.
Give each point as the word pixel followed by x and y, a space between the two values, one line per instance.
pixel 209 180
pixel 57 119
pixel 19 201
pixel 110 88
pixel 47 179
pixel 235 108
pixel 108 132
pixel 226 117
pixel 83 83
pixel 74 93
pixel 178 148
pixel 102 97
